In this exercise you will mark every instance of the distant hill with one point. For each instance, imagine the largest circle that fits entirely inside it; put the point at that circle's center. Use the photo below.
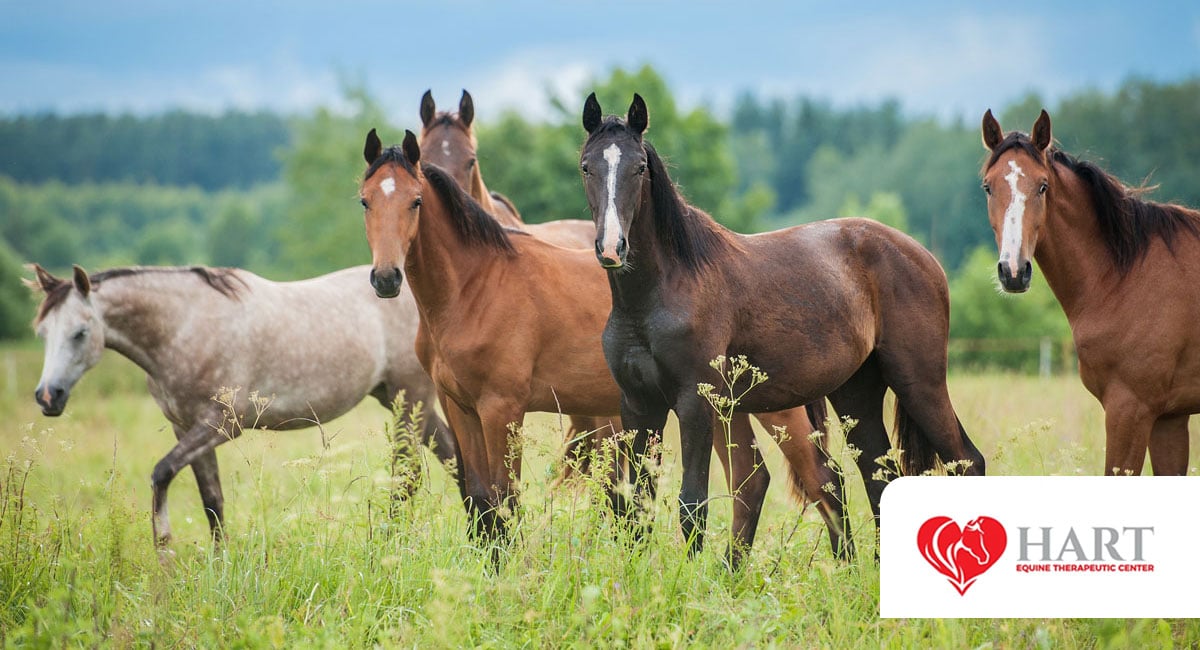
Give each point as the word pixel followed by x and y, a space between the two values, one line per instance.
pixel 233 150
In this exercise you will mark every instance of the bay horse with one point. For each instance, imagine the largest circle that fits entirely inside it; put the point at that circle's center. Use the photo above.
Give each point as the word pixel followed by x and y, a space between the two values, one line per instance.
pixel 1125 271
pixel 305 351
pixel 846 308
pixel 448 141
pixel 512 324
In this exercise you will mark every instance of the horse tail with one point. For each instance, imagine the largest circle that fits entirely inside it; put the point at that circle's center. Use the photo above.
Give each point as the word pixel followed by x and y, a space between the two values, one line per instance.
pixel 919 456
pixel 818 412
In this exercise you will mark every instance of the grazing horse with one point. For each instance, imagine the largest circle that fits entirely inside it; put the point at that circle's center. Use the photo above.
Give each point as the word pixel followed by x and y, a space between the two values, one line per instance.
pixel 1125 271
pixel 846 308
pixel 511 324
pixel 448 141
pixel 295 353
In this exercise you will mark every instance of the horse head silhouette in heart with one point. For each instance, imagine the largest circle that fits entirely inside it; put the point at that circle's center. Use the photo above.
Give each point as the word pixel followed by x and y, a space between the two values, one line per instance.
pixel 962 554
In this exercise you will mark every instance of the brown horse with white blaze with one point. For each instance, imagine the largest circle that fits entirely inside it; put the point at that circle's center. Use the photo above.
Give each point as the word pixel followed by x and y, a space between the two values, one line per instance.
pixel 511 324
pixel 846 308
pixel 1126 272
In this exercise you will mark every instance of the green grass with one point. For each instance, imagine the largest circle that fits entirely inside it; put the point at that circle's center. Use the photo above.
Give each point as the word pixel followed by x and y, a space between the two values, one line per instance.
pixel 314 560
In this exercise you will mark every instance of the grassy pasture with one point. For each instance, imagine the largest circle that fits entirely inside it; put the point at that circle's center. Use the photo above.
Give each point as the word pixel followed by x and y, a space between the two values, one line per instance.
pixel 314 560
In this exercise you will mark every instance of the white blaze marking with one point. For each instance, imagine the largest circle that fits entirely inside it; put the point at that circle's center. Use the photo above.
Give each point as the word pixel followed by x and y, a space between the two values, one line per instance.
pixel 388 185
pixel 1014 214
pixel 612 227
pixel 446 147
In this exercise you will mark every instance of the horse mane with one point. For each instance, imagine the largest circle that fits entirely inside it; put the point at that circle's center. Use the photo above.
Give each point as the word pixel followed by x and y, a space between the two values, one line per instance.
pixel 393 154
pixel 688 233
pixel 471 222
pixel 1128 223
pixel 223 280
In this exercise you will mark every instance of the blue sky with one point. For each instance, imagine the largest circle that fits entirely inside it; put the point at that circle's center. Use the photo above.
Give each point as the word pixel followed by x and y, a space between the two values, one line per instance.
pixel 950 59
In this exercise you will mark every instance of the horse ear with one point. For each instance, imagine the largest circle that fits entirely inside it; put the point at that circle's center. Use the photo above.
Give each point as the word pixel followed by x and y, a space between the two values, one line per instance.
pixel 45 281
pixel 591 113
pixel 373 148
pixel 1041 132
pixel 82 282
pixel 992 133
pixel 466 108
pixel 412 150
pixel 428 108
pixel 637 118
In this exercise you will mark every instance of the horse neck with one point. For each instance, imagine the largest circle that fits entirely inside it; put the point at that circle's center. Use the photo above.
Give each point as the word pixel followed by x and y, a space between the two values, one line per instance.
pixel 439 264
pixel 1071 253
pixel 139 318
pixel 637 285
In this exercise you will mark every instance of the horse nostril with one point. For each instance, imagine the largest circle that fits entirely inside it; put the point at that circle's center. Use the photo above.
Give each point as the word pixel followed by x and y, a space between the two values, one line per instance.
pixel 622 247
pixel 56 394
pixel 599 248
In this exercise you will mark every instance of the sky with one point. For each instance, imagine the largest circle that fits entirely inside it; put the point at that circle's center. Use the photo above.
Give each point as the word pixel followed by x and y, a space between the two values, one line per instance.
pixel 952 60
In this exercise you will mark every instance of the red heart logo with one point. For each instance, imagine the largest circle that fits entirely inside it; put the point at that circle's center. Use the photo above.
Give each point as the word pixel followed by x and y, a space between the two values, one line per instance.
pixel 962 554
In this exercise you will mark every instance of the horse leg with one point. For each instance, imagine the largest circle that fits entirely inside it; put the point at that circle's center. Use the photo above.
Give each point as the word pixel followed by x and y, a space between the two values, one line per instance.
pixel 501 419
pixel 747 479
pixel 696 420
pixel 861 399
pixel 816 477
pixel 194 447
pixel 926 423
pixel 1169 446
pixel 1127 424
pixel 472 463
pixel 646 421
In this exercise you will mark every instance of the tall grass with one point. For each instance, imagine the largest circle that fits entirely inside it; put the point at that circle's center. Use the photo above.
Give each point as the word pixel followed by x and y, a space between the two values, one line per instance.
pixel 318 555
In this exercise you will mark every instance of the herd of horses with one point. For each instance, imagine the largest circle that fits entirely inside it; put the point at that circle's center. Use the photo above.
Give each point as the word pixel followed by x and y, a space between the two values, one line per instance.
pixel 615 322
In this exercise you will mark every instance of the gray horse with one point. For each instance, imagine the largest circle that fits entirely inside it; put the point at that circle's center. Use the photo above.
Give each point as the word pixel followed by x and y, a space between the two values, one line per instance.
pixel 224 349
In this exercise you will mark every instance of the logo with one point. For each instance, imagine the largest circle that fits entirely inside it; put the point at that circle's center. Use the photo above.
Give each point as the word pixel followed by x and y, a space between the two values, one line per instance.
pixel 961 554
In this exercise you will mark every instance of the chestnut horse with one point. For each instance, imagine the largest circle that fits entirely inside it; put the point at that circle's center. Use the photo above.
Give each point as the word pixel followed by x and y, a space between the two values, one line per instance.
pixel 312 349
pixel 1125 271
pixel 511 324
pixel 846 308
pixel 448 141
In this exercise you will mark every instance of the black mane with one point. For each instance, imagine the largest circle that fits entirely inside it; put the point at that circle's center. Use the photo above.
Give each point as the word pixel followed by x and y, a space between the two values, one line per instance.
pixel 223 280
pixel 688 233
pixel 393 154
pixel 472 223
pixel 1128 223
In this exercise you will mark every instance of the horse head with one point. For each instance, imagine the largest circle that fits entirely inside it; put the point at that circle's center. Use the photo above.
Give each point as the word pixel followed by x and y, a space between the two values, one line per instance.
pixel 73 332
pixel 448 140
pixel 972 542
pixel 1016 179
pixel 613 164
pixel 391 199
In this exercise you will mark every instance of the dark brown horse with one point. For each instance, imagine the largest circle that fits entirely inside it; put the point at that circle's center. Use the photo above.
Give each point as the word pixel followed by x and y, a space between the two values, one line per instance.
pixel 845 308
pixel 1126 272
pixel 448 141
pixel 511 324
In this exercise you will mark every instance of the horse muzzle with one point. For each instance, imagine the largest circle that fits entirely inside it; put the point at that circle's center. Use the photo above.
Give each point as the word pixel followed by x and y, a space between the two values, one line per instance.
pixel 387 283
pixel 612 258
pixel 52 399
pixel 1014 282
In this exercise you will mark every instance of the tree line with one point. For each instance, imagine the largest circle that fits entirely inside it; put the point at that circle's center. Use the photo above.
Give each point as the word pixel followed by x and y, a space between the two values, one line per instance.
pixel 278 195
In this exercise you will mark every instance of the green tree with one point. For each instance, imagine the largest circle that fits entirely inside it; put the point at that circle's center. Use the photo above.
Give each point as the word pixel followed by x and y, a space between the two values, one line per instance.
pixel 16 302
pixel 322 170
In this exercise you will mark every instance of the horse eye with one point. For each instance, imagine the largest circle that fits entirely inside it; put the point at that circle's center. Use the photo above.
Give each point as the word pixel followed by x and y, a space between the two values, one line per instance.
pixel 641 169
pixel 1042 189
pixel 79 336
pixel 471 163
pixel 416 203
pixel 584 168
pixel 363 202
pixel 987 189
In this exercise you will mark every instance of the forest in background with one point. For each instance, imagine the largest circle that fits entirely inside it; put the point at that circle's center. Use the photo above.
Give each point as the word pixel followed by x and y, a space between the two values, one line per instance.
pixel 278 194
